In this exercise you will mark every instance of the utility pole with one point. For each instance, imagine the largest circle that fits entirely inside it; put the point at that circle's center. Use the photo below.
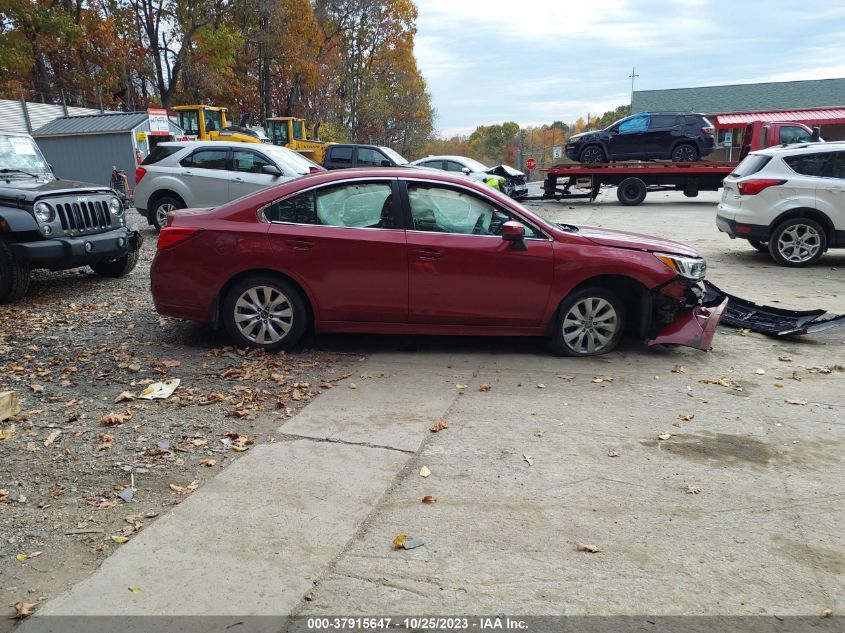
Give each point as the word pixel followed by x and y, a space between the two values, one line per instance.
pixel 633 76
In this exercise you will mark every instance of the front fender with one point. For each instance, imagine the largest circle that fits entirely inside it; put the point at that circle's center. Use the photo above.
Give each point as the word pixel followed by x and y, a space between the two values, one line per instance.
pixel 16 221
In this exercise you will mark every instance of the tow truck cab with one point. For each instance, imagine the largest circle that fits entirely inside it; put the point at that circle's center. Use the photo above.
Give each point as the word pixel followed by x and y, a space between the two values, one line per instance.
pixel 763 134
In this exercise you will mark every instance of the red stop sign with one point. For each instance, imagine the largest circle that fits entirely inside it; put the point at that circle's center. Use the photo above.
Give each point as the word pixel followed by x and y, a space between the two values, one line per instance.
pixel 530 163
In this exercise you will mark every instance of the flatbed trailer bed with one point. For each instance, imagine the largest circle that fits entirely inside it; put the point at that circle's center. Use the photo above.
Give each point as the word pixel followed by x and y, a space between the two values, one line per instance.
pixel 633 180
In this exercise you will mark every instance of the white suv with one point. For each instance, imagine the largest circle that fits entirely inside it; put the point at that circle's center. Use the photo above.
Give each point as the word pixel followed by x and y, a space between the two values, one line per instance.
pixel 788 201
pixel 210 173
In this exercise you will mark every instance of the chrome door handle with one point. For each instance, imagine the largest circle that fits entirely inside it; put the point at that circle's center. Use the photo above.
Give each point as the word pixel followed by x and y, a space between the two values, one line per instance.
pixel 835 190
pixel 299 244
pixel 427 254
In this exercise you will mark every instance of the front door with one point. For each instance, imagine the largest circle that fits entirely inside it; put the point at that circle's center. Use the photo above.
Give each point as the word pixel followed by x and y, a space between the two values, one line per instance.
pixel 461 272
pixel 345 245
pixel 628 137
pixel 248 175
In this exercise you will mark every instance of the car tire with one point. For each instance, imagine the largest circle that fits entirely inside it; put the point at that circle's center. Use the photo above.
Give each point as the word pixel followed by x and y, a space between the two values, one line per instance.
pixel 14 275
pixel 797 242
pixel 592 155
pixel 631 191
pixel 163 205
pixel 684 153
pixel 119 267
pixel 590 322
pixel 248 317
pixel 757 245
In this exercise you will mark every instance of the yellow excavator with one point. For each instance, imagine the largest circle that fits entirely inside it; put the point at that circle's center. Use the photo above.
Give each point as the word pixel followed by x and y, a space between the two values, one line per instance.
pixel 291 132
pixel 209 123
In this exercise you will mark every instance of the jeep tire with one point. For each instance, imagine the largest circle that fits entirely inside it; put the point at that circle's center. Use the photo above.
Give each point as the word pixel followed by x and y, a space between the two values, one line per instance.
pixel 14 275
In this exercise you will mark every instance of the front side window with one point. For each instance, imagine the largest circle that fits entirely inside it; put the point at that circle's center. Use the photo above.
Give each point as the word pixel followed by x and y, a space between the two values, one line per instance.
pixel 792 134
pixel 453 166
pixel 249 162
pixel 360 205
pixel 369 157
pixel 443 210
pixel 808 164
pixel 634 124
pixel 206 159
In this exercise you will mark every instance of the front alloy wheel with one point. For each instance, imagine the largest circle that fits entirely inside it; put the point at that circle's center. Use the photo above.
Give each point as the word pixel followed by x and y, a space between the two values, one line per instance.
pixel 797 242
pixel 684 153
pixel 590 322
pixel 266 312
pixel 592 154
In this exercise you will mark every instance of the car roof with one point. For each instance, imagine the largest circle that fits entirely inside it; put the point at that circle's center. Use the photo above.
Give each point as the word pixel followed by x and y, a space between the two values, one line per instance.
pixel 358 145
pixel 802 148
pixel 444 157
pixel 221 144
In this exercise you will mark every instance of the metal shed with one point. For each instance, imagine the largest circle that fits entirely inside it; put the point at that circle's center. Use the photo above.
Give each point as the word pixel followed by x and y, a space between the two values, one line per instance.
pixel 89 147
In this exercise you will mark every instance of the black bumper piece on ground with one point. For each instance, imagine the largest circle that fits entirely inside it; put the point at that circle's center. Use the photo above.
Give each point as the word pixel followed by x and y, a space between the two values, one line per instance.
pixel 770 320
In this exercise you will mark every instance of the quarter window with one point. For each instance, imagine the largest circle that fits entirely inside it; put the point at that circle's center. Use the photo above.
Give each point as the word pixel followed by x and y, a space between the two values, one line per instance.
pixel 206 159
pixel 442 210
pixel 363 205
pixel 808 164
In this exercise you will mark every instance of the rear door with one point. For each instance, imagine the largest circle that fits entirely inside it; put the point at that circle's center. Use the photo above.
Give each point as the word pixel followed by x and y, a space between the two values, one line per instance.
pixel 461 271
pixel 663 131
pixel 247 175
pixel 345 244
pixel 830 191
pixel 206 174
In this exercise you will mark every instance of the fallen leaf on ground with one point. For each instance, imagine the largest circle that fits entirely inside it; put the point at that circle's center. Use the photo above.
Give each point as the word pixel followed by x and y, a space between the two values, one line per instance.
pixel 134 368
pixel 23 610
pixel 541 386
pixel 52 438
pixel 566 377
pixel 613 454
pixel 785 359
pixel 723 381
pixel 665 436
pixel 134 589
pixel 528 459
pixel 461 386
pixel 424 471
pixel 106 442
pixel 686 417
pixel 678 369
pixel 603 379
pixel 760 372
pixel 119 539
pixel 586 547
pixel 123 396
pixel 8 432
pixel 826 613
pixel 352 385
pixel 429 499
pixel 795 401
pixel 184 490
pixel 693 490
pixel 37 388
pixel 439 427
pixel 399 541
pixel 237 442
pixel 208 463
pixel 113 419
pixel 485 387
pixel 171 363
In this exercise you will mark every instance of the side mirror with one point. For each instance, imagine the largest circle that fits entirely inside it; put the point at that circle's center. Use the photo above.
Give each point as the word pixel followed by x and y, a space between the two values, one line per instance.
pixel 816 135
pixel 271 170
pixel 386 163
pixel 466 170
pixel 513 231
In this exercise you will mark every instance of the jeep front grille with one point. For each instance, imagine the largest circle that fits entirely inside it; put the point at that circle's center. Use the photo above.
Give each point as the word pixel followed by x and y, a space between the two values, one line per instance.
pixel 84 216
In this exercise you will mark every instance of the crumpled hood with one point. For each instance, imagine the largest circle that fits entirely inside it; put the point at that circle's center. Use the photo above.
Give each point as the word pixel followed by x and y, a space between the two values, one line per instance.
pixel 635 241
pixel 504 170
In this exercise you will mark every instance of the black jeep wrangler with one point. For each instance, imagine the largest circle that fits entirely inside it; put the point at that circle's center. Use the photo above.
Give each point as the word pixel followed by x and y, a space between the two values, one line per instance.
pixel 56 224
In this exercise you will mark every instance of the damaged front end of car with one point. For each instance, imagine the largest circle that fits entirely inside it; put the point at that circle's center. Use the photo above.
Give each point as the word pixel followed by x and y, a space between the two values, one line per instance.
pixel 514 183
pixel 681 313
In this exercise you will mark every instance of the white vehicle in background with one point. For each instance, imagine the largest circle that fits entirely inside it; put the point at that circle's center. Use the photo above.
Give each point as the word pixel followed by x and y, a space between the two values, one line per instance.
pixel 512 182
pixel 788 201
pixel 179 175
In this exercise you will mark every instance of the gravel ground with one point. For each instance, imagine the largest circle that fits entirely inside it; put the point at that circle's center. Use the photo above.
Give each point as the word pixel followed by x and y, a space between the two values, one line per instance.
pixel 78 350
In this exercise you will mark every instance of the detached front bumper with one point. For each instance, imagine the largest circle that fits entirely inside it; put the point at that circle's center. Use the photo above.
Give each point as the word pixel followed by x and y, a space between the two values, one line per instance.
pixel 71 252
pixel 683 314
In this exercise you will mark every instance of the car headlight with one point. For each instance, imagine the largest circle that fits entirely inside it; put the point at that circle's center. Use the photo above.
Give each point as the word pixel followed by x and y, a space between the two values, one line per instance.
pixel 692 268
pixel 576 140
pixel 44 212
pixel 115 206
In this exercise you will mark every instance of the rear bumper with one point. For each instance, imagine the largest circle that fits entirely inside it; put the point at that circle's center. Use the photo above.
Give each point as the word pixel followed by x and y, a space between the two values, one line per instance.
pixel 733 228
pixel 72 252
pixel 692 327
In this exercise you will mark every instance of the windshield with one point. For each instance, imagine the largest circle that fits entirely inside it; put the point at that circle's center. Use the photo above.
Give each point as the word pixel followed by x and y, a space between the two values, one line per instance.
pixel 291 162
pixel 396 158
pixel 474 165
pixel 22 154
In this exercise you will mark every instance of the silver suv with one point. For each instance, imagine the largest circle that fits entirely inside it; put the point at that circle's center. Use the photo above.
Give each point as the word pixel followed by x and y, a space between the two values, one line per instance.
pixel 209 174
pixel 787 201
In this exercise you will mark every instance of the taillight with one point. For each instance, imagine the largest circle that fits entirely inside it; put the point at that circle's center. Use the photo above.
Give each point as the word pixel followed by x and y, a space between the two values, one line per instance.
pixel 753 187
pixel 708 131
pixel 140 172
pixel 171 236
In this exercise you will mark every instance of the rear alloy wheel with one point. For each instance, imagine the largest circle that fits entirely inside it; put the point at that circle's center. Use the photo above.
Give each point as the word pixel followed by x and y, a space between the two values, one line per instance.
pixel 631 191
pixel 593 154
pixel 797 242
pixel 162 207
pixel 265 311
pixel 590 322
pixel 684 153
pixel 119 267
pixel 14 275
pixel 757 245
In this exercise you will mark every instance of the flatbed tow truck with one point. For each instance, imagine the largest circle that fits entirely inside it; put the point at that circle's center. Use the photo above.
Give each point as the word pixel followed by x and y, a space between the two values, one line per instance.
pixel 634 179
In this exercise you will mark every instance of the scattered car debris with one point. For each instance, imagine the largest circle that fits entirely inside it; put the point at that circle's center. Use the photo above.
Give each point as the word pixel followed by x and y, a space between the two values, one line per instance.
pixel 160 390
pixel 412 543
pixel 9 405
pixel 744 314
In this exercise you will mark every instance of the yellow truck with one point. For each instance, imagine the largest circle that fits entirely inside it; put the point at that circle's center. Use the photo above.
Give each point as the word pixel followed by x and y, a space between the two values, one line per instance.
pixel 291 132
pixel 209 123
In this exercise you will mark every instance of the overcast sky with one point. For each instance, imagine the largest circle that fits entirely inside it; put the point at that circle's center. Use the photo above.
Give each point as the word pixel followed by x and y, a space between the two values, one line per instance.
pixel 536 61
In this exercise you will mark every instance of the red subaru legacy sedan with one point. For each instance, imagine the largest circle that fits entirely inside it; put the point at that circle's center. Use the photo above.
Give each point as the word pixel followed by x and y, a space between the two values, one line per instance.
pixel 404 251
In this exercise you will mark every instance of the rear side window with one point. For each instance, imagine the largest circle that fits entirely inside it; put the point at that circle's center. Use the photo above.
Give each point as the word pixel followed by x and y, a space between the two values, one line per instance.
pixel 808 164
pixel 341 155
pixel 751 164
pixel 660 121
pixel 160 152
pixel 300 209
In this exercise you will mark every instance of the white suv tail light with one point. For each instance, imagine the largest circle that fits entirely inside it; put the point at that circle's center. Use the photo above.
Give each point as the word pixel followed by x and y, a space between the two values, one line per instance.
pixel 753 187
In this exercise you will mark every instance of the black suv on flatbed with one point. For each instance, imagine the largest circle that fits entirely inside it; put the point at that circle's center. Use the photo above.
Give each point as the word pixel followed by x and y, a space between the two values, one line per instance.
pixel 677 136
pixel 346 155
pixel 56 224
